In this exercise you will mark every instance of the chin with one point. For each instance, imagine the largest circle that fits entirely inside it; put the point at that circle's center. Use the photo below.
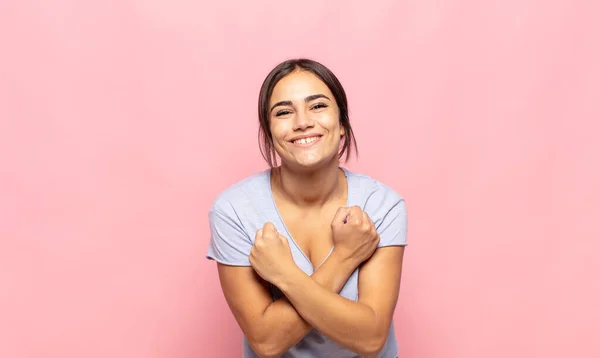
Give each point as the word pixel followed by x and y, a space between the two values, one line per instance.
pixel 312 164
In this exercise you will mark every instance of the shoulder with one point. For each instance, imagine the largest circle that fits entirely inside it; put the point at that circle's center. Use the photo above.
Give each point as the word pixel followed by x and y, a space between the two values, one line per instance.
pixel 384 205
pixel 243 193
pixel 370 191
pixel 233 219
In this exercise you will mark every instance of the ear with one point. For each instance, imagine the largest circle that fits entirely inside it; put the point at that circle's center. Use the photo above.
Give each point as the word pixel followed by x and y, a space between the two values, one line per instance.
pixel 342 131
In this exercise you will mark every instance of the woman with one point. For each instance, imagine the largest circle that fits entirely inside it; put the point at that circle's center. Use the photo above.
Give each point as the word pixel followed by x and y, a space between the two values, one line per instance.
pixel 309 254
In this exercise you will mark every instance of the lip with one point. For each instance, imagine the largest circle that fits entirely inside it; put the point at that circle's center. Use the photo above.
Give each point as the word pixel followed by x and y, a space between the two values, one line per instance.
pixel 319 136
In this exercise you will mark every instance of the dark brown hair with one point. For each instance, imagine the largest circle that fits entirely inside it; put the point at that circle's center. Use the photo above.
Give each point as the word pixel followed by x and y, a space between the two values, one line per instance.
pixel 283 69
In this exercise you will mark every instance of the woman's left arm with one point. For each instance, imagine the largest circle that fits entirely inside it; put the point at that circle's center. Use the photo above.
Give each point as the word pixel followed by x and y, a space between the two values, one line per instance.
pixel 362 326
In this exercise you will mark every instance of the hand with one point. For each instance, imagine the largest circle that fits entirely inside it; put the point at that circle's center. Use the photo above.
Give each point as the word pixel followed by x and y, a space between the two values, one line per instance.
pixel 354 234
pixel 271 256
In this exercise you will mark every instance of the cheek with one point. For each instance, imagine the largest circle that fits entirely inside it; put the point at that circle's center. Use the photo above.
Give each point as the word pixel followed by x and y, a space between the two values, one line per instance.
pixel 336 126
pixel 334 122
pixel 278 130
pixel 329 121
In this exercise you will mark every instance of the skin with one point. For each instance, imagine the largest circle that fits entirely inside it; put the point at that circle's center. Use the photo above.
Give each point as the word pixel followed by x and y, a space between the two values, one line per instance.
pixel 310 192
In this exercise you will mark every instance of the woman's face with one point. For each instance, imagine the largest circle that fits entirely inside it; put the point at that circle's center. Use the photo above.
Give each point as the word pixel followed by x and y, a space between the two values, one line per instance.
pixel 304 120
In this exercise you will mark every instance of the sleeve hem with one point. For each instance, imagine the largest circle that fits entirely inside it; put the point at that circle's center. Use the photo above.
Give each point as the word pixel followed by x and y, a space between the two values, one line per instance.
pixel 396 241
pixel 228 263
pixel 392 244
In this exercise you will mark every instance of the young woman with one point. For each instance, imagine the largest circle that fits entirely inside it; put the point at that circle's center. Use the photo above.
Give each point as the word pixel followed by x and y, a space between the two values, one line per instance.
pixel 309 254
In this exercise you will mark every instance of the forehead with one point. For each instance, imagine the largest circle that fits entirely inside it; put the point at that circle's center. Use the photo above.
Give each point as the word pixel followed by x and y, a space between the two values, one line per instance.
pixel 299 85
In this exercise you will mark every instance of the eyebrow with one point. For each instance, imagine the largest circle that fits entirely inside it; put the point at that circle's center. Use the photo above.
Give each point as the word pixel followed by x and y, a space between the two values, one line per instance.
pixel 307 99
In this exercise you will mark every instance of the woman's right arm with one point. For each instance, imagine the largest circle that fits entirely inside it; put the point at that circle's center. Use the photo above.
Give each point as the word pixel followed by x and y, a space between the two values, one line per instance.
pixel 272 327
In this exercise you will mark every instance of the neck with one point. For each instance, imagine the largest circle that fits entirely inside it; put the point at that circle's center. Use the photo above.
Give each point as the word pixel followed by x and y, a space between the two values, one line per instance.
pixel 309 188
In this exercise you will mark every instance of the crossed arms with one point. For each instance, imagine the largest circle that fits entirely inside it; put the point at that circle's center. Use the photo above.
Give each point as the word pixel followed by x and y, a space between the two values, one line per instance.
pixel 272 327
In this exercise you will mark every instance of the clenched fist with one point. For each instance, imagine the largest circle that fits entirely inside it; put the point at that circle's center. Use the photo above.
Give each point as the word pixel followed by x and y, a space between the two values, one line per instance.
pixel 354 234
pixel 271 256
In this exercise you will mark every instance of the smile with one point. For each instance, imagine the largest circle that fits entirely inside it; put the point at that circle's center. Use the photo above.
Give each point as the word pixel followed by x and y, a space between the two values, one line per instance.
pixel 304 142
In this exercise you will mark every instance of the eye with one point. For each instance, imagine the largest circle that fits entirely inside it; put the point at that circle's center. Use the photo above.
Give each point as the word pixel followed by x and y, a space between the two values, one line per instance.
pixel 319 106
pixel 282 112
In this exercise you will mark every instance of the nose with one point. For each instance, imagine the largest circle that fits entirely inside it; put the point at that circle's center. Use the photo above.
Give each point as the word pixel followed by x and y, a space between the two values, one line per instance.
pixel 303 121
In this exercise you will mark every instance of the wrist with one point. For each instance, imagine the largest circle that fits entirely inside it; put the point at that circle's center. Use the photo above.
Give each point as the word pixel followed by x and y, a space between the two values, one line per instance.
pixel 288 277
pixel 343 260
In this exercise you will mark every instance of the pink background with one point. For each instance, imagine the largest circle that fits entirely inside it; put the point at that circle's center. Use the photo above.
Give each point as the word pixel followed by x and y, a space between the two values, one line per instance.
pixel 120 121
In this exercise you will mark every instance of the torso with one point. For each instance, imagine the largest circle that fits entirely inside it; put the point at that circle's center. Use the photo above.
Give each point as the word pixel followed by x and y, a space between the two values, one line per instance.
pixel 253 203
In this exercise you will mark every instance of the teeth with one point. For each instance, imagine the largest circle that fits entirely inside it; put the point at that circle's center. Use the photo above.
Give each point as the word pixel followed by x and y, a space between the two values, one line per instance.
pixel 306 140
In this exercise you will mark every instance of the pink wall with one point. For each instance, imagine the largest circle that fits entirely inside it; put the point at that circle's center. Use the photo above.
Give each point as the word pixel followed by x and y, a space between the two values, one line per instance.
pixel 117 120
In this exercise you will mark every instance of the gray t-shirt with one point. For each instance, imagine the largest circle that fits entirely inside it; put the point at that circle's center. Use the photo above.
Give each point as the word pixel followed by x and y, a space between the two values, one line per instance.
pixel 243 208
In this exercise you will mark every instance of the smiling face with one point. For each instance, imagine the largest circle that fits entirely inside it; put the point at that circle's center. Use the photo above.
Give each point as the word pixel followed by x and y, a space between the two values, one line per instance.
pixel 304 120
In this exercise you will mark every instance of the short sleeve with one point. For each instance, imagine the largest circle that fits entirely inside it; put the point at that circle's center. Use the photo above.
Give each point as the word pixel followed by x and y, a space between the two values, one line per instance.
pixel 229 243
pixel 387 209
